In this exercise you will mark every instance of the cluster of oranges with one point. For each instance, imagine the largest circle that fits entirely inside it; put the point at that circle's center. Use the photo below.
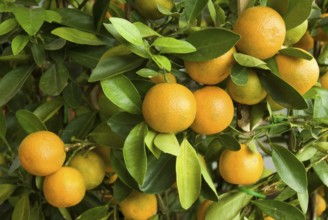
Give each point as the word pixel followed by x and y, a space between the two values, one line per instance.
pixel 42 153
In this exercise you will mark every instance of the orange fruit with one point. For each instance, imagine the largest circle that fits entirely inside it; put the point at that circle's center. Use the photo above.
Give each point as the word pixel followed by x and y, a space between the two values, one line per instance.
pixel 306 42
pixel 268 218
pixel 64 188
pixel 262 32
pixel 42 153
pixel 249 94
pixel 324 80
pixel 300 73
pixel 139 206
pixel 148 8
pixel 241 167
pixel 321 205
pixel 162 78
pixel 294 34
pixel 202 209
pixel 212 71
pixel 104 153
pixel 215 110
pixel 91 166
pixel 169 107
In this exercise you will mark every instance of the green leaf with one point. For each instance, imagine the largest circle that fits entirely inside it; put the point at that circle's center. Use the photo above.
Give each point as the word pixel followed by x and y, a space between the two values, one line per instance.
pixel 145 31
pixel 5 191
pixel 210 43
pixel 65 213
pixel 321 169
pixel 29 121
pixel 249 61
pixel 87 56
pixel 48 109
pixel 228 206
pixel 116 65
pixel 320 108
pixel 279 210
pixel 19 43
pixel 127 30
pixel 297 12
pixel 162 62
pixel 73 95
pixel 188 175
pixel 239 74
pixel 98 212
pixel 147 73
pixel 323 56
pixel 289 168
pixel 206 175
pixel 134 152
pixel 168 143
pixel 76 36
pixel 296 52
pixel 303 199
pixel 122 123
pixel 22 209
pixel 99 11
pixel 104 136
pixel 277 89
pixel 121 92
pixel 229 142
pixel 11 83
pixel 79 127
pixel 7 26
pixel 193 8
pixel 30 19
pixel 160 174
pixel 54 80
pixel 149 141
pixel 56 44
pixel 38 54
pixel 172 45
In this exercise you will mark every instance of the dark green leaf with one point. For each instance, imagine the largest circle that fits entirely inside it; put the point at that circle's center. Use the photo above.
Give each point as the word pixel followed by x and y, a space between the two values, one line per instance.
pixel 289 168
pixel 210 43
pixel 29 122
pixel 22 209
pixel 56 44
pixel 321 169
pixel 11 83
pixel 172 45
pixel 19 43
pixel 115 65
pixel 98 212
pixel 87 56
pixel 121 92
pixel 279 210
pixel 7 26
pixel 239 74
pixel 188 174
pixel 103 135
pixel 38 54
pixel 3 125
pixel 323 56
pixel 79 127
pixel 73 95
pixel 122 123
pixel 76 36
pixel 206 175
pixel 168 143
pixel 37 212
pixel 30 19
pixel 99 11
pixel 296 52
pixel 134 152
pixel 5 191
pixel 277 89
pixel 54 80
pixel 228 205
pixel 320 108
pixel 297 12
pixel 193 8
pixel 48 109
pixel 249 61
pixel 160 174
pixel 228 142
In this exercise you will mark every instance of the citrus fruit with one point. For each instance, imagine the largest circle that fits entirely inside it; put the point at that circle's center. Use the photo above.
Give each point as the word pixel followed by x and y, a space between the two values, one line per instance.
pixel 104 153
pixel 91 166
pixel 321 34
pixel 321 205
pixel 202 209
pixel 262 32
pixel 300 73
pixel 324 80
pixel 215 110
pixel 212 71
pixel 241 167
pixel 148 8
pixel 169 78
pixel 273 104
pixel 321 190
pixel 64 188
pixel 268 218
pixel 306 42
pixel 169 107
pixel 139 205
pixel 294 34
pixel 42 153
pixel 250 93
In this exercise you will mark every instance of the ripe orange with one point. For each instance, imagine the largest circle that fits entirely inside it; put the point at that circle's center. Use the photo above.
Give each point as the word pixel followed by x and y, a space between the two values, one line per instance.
pixel 148 8
pixel 268 218
pixel 91 166
pixel 169 107
pixel 169 78
pixel 321 205
pixel 249 94
pixel 64 188
pixel 215 110
pixel 42 153
pixel 306 42
pixel 324 80
pixel 213 71
pixel 300 73
pixel 241 167
pixel 262 32
pixel 139 205
pixel 202 209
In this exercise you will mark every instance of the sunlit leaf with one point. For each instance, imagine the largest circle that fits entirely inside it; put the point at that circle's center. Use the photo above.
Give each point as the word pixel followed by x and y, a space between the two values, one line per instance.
pixel 168 143
pixel 172 45
pixel 30 19
pixel 76 36
pixel 7 26
pixel 19 43
pixel 22 209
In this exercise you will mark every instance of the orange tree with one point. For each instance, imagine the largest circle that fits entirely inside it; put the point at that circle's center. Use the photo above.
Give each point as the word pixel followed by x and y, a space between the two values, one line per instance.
pixel 81 69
